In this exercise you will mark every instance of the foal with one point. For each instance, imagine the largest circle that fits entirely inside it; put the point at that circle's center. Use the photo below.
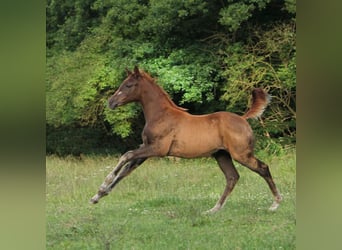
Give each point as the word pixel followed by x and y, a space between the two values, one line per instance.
pixel 171 131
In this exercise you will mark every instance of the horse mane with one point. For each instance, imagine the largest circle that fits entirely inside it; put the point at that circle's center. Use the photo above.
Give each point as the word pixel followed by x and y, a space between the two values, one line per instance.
pixel 162 91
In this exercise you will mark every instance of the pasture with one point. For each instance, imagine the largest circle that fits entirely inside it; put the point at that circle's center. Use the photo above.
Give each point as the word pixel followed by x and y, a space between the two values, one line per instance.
pixel 161 205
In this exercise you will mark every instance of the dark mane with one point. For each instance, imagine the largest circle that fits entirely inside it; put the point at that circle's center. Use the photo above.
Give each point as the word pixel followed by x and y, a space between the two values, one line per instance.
pixel 163 92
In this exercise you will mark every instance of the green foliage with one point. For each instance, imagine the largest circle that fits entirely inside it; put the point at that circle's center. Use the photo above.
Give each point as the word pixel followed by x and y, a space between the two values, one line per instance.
pixel 208 55
pixel 121 16
pixel 168 20
pixel 290 6
pixel 121 119
pixel 68 22
pixel 187 73
pixel 267 61
pixel 69 91
pixel 235 14
pixel 238 12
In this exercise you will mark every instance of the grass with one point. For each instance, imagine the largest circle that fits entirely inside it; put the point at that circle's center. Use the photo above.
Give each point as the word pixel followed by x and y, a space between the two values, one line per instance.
pixel 161 204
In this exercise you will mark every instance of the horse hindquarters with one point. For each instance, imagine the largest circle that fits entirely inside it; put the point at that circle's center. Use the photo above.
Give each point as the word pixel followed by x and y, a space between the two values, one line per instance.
pixel 239 141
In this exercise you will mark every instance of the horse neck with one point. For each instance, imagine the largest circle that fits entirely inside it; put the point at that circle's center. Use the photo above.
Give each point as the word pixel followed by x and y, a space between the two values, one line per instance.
pixel 154 101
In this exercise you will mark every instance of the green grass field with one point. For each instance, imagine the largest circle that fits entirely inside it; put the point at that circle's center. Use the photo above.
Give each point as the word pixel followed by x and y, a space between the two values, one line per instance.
pixel 161 204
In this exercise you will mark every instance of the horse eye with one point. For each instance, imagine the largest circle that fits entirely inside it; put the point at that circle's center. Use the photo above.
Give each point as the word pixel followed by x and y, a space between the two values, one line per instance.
pixel 130 85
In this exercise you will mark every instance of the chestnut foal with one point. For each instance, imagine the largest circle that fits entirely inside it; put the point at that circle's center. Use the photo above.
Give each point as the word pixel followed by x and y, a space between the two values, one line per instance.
pixel 171 131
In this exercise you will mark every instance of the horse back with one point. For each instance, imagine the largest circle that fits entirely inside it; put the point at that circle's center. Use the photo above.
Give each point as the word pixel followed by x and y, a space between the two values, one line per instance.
pixel 203 135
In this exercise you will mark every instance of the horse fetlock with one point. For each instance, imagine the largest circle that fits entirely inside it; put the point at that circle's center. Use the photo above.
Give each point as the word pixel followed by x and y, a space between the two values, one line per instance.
pixel 102 192
pixel 279 198
pixel 103 189
pixel 108 180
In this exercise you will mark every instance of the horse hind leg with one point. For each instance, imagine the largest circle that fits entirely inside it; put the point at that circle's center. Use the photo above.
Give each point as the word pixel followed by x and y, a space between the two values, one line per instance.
pixel 225 162
pixel 263 170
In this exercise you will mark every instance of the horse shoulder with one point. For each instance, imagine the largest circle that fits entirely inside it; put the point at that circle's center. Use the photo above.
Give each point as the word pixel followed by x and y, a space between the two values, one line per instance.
pixel 158 130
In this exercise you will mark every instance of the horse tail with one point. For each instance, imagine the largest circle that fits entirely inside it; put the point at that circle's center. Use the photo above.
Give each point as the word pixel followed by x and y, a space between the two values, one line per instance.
pixel 260 99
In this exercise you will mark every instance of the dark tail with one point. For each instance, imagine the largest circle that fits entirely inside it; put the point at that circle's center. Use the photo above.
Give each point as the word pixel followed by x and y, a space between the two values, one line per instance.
pixel 260 99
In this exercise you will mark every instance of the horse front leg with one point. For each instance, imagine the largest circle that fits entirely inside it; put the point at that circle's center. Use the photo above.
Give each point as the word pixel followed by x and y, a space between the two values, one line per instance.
pixel 133 159
pixel 105 187
pixel 126 171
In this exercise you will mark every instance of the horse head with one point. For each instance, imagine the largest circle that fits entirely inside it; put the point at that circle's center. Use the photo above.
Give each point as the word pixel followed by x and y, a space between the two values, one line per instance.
pixel 129 90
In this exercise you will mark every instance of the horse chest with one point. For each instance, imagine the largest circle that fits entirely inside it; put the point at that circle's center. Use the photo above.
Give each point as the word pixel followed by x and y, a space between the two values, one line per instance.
pixel 154 134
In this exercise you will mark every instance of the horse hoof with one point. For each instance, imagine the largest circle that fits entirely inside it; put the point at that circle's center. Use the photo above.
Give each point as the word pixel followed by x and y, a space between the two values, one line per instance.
pixel 274 206
pixel 213 210
pixel 95 199
pixel 209 212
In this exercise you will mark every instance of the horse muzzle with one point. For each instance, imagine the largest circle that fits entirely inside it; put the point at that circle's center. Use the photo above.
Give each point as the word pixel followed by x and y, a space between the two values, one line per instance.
pixel 115 102
pixel 112 104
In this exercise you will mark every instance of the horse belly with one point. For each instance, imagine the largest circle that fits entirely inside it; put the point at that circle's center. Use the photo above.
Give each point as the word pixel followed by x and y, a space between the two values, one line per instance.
pixel 193 145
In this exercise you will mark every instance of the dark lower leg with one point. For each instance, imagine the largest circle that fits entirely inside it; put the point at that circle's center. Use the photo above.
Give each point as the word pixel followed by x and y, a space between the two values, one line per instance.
pixel 263 170
pixel 266 174
pixel 232 176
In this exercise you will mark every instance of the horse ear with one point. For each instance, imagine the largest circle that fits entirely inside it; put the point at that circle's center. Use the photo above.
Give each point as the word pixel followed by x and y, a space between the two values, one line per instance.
pixel 136 71
pixel 128 72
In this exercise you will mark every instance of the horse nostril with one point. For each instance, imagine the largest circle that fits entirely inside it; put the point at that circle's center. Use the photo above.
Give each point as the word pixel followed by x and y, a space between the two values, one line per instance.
pixel 112 104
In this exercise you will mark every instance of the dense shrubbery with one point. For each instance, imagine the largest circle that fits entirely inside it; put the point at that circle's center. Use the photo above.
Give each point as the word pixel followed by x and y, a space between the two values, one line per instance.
pixel 208 55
